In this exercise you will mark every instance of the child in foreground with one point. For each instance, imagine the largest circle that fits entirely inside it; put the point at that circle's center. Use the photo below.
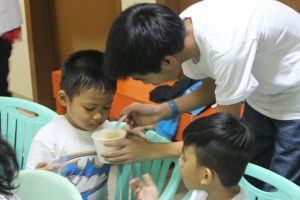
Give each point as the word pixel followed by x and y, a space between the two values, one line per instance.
pixel 9 169
pixel 65 144
pixel 215 153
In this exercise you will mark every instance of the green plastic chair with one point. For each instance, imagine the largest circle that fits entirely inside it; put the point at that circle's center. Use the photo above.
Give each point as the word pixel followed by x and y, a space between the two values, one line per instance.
pixel 19 127
pixel 286 190
pixel 187 196
pixel 44 185
pixel 158 169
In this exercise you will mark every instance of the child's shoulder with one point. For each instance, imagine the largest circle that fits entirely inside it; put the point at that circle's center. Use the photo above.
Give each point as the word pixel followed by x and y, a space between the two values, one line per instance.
pixel 58 124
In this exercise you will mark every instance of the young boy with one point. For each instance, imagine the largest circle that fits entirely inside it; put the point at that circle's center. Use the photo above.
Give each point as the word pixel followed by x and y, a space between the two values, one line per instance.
pixel 87 95
pixel 215 153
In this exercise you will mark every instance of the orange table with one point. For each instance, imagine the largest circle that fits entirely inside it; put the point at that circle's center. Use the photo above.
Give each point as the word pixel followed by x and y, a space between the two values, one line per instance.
pixel 129 91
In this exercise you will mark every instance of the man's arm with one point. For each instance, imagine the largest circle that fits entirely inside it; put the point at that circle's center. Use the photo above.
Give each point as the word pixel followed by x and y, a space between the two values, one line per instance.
pixel 233 109
pixel 202 96
pixel 165 150
pixel 135 149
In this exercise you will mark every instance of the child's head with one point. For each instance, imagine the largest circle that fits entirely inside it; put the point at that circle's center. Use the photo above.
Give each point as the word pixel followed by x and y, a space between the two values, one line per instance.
pixel 85 90
pixel 8 168
pixel 216 148
pixel 140 38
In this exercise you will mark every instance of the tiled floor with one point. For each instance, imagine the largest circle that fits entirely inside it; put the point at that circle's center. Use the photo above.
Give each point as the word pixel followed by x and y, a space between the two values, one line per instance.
pixel 112 185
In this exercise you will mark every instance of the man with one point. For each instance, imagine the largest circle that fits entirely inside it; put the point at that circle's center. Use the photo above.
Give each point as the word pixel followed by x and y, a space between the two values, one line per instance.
pixel 241 49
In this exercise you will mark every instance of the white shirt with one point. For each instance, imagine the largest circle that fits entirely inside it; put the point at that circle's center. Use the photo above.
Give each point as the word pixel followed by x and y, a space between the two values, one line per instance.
pixel 251 51
pixel 59 141
pixel 10 15
pixel 201 195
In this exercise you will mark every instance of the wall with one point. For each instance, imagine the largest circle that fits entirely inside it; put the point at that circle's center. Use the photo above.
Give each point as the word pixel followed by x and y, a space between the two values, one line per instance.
pixel 74 32
pixel 20 76
pixel 20 83
pixel 127 3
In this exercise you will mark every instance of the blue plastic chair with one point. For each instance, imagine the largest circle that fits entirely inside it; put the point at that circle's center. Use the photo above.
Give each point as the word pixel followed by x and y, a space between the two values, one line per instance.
pixel 20 120
pixel 286 190
pixel 44 185
pixel 158 169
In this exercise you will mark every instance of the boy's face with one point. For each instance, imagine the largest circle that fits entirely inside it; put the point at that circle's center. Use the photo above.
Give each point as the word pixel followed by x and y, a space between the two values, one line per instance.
pixel 189 167
pixel 90 109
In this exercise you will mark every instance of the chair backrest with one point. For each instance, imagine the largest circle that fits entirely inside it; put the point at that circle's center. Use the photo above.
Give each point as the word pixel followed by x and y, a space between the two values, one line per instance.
pixel 158 169
pixel 286 190
pixel 187 196
pixel 20 120
pixel 44 185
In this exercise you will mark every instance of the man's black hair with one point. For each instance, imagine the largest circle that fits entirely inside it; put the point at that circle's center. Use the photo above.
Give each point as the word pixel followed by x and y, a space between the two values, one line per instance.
pixel 84 70
pixel 223 143
pixel 140 38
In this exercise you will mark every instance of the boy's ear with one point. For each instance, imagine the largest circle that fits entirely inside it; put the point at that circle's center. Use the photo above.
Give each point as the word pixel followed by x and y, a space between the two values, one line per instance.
pixel 171 60
pixel 63 98
pixel 205 176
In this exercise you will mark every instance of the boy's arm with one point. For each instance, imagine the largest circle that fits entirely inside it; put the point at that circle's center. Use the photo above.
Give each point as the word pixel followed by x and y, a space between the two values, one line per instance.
pixel 42 148
pixel 38 153
pixel 41 157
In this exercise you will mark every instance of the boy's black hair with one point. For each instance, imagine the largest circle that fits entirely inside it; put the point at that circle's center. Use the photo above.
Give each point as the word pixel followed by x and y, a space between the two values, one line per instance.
pixel 140 38
pixel 84 70
pixel 8 168
pixel 223 143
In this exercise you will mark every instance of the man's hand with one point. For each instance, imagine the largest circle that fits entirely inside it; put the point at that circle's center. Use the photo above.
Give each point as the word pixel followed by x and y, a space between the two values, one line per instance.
pixel 131 149
pixel 138 131
pixel 144 189
pixel 145 114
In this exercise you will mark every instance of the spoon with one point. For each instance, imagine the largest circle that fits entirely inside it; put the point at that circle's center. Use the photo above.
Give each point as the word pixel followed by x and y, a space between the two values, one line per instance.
pixel 122 118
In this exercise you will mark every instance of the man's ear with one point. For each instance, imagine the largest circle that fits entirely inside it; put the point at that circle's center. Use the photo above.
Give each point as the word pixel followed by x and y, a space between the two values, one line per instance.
pixel 63 98
pixel 205 176
pixel 171 60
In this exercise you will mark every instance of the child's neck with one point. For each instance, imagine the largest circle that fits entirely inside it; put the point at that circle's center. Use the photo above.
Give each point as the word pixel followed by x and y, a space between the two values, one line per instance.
pixel 223 193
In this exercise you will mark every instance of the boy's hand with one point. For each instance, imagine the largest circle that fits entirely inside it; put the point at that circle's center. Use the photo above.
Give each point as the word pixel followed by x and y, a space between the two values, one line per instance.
pixel 145 189
pixel 48 167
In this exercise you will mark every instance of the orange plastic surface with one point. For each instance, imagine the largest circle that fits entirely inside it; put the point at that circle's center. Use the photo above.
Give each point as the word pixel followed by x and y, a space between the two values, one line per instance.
pixel 56 77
